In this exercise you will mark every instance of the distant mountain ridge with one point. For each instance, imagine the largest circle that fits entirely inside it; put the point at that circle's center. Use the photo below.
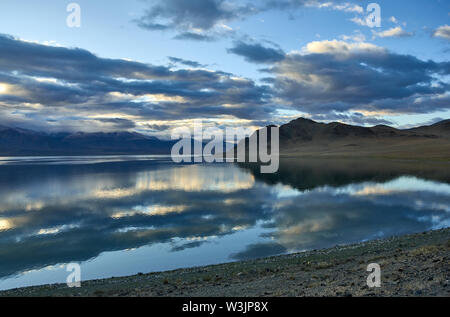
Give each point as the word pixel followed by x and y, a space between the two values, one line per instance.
pixel 308 138
pixel 16 141
pixel 303 129
pixel 298 137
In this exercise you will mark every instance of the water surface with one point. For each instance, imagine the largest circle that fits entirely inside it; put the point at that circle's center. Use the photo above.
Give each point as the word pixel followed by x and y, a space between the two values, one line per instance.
pixel 120 215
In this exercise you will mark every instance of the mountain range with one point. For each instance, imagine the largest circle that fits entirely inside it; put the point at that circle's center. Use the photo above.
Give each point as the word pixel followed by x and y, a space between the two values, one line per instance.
pixel 309 138
pixel 298 137
pixel 16 142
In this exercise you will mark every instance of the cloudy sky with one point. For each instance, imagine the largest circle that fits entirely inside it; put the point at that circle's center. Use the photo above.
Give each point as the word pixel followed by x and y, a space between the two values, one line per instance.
pixel 152 65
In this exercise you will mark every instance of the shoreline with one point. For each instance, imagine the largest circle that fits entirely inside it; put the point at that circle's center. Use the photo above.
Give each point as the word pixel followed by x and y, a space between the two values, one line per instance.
pixel 411 265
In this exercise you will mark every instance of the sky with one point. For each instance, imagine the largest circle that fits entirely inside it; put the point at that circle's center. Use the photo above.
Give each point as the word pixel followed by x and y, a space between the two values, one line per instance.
pixel 153 65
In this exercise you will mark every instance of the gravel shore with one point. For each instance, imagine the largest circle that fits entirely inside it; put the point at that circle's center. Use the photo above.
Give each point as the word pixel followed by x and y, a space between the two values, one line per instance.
pixel 411 265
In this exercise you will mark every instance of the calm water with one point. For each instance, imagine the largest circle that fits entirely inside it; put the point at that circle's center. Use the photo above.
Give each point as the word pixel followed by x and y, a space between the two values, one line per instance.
pixel 123 215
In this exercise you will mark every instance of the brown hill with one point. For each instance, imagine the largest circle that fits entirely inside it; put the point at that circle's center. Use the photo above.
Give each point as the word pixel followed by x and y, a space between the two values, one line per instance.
pixel 304 137
pixel 440 129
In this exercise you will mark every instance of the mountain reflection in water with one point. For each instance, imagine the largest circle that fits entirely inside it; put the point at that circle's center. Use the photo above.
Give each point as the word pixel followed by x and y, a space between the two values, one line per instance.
pixel 140 214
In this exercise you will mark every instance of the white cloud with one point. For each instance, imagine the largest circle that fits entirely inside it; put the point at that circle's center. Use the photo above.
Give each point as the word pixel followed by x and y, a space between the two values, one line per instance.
pixel 359 21
pixel 341 48
pixel 393 32
pixel 393 19
pixel 396 21
pixel 443 32
pixel 346 6
pixel 357 36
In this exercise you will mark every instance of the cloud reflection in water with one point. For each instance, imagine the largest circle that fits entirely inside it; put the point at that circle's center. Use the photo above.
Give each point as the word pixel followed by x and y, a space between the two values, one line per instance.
pixel 64 213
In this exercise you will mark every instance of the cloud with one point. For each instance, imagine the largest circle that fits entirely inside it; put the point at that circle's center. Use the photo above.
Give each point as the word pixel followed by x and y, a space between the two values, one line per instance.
pixel 193 36
pixel 185 62
pixel 346 6
pixel 393 32
pixel 393 19
pixel 46 82
pixel 442 32
pixel 338 76
pixel 341 48
pixel 396 21
pixel 194 18
pixel 257 53
pixel 259 250
pixel 359 21
pixel 118 123
pixel 296 4
pixel 204 20
pixel 193 14
pixel 357 36
pixel 53 88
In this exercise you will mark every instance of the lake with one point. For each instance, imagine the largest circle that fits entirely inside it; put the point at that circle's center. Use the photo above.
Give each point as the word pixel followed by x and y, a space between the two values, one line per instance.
pixel 121 215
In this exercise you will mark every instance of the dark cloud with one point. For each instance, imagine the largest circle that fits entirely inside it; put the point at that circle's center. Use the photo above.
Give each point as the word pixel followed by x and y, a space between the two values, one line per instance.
pixel 60 82
pixel 189 245
pixel 186 16
pixel 199 14
pixel 185 62
pixel 205 15
pixel 338 76
pixel 118 123
pixel 71 64
pixel 268 80
pixel 151 26
pixel 259 250
pixel 157 127
pixel 69 86
pixel 194 37
pixel 257 53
